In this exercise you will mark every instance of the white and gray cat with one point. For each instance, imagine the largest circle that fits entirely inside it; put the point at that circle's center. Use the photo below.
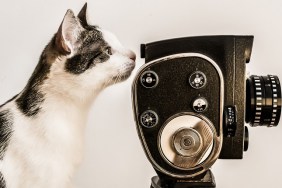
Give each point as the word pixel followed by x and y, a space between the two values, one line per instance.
pixel 42 128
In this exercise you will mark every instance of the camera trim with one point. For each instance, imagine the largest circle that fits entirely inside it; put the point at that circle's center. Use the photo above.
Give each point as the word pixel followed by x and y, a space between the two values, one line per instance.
pixel 218 140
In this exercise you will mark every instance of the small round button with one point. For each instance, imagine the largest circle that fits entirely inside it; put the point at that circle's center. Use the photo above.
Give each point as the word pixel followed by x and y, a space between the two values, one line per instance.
pixel 197 79
pixel 149 79
pixel 200 104
pixel 149 118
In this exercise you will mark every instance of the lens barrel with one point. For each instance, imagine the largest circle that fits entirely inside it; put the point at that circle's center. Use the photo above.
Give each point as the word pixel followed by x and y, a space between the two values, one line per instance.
pixel 263 100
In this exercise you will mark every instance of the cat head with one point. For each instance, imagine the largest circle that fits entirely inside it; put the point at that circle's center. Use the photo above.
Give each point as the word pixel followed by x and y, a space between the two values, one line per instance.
pixel 90 58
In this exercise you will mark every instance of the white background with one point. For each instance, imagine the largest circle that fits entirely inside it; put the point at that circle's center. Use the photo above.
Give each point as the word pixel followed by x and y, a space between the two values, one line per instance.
pixel 113 155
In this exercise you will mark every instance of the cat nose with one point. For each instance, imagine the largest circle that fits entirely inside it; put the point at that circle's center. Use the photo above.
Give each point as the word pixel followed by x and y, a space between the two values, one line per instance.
pixel 131 55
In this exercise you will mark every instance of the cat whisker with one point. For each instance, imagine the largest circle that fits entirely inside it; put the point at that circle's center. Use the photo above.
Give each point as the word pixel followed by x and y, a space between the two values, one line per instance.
pixel 118 78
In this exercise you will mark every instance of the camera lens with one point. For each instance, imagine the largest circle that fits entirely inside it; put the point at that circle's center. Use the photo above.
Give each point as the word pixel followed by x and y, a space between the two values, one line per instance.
pixel 263 100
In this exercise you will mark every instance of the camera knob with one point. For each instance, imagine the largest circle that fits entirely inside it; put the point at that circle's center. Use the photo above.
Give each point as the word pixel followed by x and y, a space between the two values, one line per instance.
pixel 230 123
pixel 200 104
pixel 187 142
pixel 197 79
pixel 149 118
pixel 149 79
pixel 246 139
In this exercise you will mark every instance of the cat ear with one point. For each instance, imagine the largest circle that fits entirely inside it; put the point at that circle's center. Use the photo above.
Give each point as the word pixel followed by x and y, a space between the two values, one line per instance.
pixel 82 15
pixel 68 32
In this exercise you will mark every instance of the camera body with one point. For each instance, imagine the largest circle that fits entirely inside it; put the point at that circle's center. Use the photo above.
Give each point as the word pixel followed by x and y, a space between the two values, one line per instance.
pixel 191 100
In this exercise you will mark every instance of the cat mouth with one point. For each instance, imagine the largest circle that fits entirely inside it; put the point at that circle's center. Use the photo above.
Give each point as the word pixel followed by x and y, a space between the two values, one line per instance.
pixel 122 77
pixel 126 74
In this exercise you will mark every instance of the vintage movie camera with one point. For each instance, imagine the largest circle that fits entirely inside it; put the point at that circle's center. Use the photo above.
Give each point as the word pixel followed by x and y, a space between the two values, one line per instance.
pixel 191 101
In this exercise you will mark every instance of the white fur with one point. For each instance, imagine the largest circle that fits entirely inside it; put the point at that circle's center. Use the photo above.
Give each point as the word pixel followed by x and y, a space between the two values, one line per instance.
pixel 45 150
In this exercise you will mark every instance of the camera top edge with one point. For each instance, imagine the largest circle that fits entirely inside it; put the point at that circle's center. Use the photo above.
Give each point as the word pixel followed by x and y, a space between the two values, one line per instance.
pixel 197 44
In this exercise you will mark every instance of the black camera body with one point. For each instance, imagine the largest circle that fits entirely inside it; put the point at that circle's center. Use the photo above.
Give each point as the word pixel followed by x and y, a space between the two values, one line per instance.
pixel 191 100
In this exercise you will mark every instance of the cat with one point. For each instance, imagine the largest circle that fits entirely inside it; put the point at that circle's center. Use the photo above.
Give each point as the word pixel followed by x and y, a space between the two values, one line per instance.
pixel 42 128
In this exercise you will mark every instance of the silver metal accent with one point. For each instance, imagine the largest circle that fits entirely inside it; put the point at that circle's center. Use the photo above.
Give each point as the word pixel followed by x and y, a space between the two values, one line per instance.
pixel 149 80
pixel 197 81
pixel 187 142
pixel 175 130
pixel 149 119
pixel 199 103
pixel 217 142
pixel 275 100
pixel 258 108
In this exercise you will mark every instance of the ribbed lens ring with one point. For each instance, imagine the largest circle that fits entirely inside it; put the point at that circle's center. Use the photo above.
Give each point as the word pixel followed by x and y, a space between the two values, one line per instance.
pixel 263 100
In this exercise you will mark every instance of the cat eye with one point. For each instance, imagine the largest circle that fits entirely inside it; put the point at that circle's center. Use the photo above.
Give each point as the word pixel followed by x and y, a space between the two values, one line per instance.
pixel 109 51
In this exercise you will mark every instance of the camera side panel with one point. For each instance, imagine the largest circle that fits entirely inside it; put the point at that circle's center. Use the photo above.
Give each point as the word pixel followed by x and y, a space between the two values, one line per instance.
pixel 165 89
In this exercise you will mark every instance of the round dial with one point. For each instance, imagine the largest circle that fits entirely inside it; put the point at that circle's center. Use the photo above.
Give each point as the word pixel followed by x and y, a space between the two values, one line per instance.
pixel 149 118
pixel 149 79
pixel 230 123
pixel 187 142
pixel 200 104
pixel 197 80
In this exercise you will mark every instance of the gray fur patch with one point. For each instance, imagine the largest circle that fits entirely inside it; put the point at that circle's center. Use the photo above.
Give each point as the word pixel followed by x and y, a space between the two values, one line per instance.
pixel 6 122
pixel 31 98
pixel 91 51
pixel 2 181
